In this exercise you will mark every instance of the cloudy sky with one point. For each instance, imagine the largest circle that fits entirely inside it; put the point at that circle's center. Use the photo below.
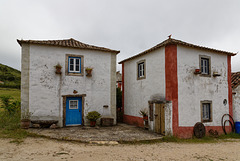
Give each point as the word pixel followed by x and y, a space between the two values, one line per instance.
pixel 130 26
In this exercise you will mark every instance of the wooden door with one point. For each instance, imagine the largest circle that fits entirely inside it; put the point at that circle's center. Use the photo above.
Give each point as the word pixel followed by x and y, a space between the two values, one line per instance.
pixel 159 119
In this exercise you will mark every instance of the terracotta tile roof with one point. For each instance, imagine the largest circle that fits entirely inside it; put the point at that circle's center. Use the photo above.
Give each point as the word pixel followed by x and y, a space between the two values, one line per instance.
pixel 235 79
pixel 177 42
pixel 71 43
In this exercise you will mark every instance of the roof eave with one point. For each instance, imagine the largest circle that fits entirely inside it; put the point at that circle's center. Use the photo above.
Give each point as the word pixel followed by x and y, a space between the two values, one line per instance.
pixel 177 42
pixel 20 42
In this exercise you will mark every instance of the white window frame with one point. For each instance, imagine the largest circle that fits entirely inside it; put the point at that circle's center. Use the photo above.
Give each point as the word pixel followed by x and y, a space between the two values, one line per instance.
pixel 205 65
pixel 74 65
pixel 141 69
pixel 70 104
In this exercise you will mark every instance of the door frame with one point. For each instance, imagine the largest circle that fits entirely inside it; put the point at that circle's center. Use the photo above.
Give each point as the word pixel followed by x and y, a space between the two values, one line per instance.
pixel 64 107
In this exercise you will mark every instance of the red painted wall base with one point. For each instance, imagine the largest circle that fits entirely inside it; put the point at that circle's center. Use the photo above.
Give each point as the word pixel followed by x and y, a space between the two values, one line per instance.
pixel 182 132
pixel 133 120
pixel 187 132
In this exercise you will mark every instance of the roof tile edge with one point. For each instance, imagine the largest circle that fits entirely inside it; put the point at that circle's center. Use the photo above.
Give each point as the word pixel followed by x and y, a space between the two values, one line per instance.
pixel 178 42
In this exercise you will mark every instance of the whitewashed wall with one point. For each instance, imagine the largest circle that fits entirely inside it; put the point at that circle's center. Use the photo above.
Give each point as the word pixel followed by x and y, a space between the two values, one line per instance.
pixel 195 88
pixel 46 87
pixel 236 104
pixel 137 93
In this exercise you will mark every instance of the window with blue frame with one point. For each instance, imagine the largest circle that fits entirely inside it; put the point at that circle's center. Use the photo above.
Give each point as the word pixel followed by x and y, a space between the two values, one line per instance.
pixel 74 64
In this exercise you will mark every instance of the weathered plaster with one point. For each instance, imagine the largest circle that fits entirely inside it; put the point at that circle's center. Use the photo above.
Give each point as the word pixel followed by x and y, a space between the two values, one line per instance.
pixel 236 104
pixel 168 118
pixel 46 87
pixel 137 93
pixel 193 88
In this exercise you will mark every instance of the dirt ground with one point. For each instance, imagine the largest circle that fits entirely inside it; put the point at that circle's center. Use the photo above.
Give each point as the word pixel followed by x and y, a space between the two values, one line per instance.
pixel 46 149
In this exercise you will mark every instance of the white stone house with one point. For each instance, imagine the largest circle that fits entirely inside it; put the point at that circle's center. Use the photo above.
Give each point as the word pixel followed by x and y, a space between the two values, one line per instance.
pixel 236 95
pixel 69 96
pixel 180 84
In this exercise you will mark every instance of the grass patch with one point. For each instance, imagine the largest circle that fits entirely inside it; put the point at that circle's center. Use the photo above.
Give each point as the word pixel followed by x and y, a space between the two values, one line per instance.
pixel 206 139
pixel 173 139
pixel 16 134
pixel 10 126
pixel 141 141
pixel 10 121
pixel 14 93
pixel 230 136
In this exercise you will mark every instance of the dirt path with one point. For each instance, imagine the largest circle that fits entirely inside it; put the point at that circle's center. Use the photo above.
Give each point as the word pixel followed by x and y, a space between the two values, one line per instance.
pixel 45 149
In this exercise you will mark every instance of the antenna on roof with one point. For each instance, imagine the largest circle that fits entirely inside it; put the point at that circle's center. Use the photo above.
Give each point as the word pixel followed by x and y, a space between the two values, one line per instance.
pixel 169 36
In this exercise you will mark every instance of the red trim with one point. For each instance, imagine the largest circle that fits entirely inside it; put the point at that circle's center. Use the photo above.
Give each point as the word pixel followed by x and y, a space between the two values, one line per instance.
pixel 187 132
pixel 229 86
pixel 133 120
pixel 123 88
pixel 172 83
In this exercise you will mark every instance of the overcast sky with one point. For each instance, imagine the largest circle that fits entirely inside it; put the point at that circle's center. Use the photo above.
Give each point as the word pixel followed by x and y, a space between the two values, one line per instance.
pixel 130 26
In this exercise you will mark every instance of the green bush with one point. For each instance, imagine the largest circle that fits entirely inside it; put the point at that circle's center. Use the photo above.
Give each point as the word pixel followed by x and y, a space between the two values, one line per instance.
pixel 93 116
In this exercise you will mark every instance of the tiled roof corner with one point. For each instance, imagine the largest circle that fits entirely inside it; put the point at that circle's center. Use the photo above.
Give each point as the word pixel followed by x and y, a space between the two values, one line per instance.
pixel 71 43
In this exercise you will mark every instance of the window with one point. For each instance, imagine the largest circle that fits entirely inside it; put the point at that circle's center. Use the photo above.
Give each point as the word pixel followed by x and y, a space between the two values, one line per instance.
pixel 141 69
pixel 74 65
pixel 205 65
pixel 206 111
pixel 73 104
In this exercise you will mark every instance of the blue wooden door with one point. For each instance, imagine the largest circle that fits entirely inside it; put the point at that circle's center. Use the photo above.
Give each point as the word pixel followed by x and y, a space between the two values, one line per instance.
pixel 74 111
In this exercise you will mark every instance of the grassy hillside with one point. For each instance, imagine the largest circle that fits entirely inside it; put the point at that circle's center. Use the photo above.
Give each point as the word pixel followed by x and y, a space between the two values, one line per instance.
pixel 10 76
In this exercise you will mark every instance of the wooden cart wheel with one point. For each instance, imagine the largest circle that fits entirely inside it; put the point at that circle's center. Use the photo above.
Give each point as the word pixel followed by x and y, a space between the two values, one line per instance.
pixel 199 130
